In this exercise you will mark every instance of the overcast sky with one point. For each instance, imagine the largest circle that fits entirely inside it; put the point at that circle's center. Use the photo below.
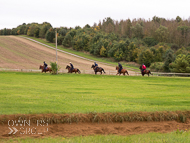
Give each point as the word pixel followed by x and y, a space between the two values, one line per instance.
pixel 71 13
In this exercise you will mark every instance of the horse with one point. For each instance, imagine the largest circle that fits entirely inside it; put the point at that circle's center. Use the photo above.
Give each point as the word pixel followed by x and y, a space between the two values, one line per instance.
pixel 122 71
pixel 99 69
pixel 74 70
pixel 145 71
pixel 47 69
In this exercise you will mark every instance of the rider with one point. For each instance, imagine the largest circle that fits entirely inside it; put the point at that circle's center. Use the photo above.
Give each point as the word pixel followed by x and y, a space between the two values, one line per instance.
pixel 71 69
pixel 45 66
pixel 96 66
pixel 143 67
pixel 120 68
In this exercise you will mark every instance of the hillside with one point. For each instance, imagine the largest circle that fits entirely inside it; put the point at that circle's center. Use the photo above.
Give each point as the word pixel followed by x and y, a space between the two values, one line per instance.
pixel 19 53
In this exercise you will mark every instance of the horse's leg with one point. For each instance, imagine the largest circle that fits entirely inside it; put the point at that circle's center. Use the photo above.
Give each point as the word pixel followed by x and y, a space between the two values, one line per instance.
pixel 123 73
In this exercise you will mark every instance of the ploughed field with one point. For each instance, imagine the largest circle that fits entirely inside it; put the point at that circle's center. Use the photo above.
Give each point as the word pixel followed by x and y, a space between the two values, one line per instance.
pixel 19 53
pixel 74 105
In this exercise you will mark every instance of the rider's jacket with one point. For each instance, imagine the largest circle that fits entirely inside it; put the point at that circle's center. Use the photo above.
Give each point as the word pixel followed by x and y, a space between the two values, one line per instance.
pixel 71 65
pixel 45 64
pixel 95 64
pixel 143 67
pixel 120 66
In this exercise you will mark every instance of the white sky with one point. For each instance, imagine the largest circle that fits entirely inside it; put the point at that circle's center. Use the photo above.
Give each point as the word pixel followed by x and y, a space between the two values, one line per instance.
pixel 71 13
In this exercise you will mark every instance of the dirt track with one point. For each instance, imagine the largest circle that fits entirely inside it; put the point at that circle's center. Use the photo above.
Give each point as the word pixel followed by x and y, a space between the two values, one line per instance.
pixel 19 53
pixel 66 125
pixel 85 129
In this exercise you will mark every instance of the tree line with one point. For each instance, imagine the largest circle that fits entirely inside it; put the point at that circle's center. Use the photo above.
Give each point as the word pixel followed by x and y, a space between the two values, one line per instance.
pixel 162 44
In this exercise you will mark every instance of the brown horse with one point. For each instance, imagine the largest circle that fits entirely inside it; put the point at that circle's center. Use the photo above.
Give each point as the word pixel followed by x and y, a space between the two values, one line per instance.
pixel 122 71
pixel 99 69
pixel 48 69
pixel 74 70
pixel 145 71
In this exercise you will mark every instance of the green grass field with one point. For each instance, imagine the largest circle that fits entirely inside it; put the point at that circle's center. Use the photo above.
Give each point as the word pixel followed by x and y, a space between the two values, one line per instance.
pixel 173 137
pixel 72 93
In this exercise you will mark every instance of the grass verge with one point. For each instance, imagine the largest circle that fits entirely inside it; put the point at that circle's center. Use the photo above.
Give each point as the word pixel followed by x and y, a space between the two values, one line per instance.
pixel 173 137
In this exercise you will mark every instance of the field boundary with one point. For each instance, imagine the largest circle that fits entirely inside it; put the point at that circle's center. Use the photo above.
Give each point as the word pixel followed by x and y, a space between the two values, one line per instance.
pixel 109 72
pixel 179 116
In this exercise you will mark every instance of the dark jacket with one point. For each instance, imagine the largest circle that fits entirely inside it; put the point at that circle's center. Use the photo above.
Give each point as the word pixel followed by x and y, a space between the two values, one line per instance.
pixel 45 65
pixel 71 66
pixel 95 64
pixel 120 66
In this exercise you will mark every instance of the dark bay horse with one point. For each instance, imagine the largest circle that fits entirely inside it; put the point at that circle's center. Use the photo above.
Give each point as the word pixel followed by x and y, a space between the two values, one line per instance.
pixel 48 69
pixel 74 70
pixel 99 69
pixel 122 71
pixel 145 71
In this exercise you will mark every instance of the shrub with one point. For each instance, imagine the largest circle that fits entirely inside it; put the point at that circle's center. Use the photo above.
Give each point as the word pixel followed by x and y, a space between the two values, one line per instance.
pixel 103 52
pixel 157 66
pixel 181 64
pixel 54 67
pixel 146 57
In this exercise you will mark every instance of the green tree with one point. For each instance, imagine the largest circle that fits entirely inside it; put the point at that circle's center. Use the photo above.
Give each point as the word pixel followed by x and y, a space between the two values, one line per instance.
pixel 137 31
pixel 67 42
pixel 45 27
pixel 50 35
pixel 146 57
pixel 169 58
pixel 4 31
pixel 178 19
pixel 162 34
pixel 181 64
pixel 150 41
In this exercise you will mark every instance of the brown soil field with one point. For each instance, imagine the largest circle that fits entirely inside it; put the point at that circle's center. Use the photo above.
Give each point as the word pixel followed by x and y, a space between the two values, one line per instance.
pixel 20 53
pixel 67 125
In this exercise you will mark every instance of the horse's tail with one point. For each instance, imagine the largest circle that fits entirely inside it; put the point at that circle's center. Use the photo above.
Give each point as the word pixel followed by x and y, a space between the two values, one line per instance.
pixel 78 71
pixel 103 70
pixel 127 72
